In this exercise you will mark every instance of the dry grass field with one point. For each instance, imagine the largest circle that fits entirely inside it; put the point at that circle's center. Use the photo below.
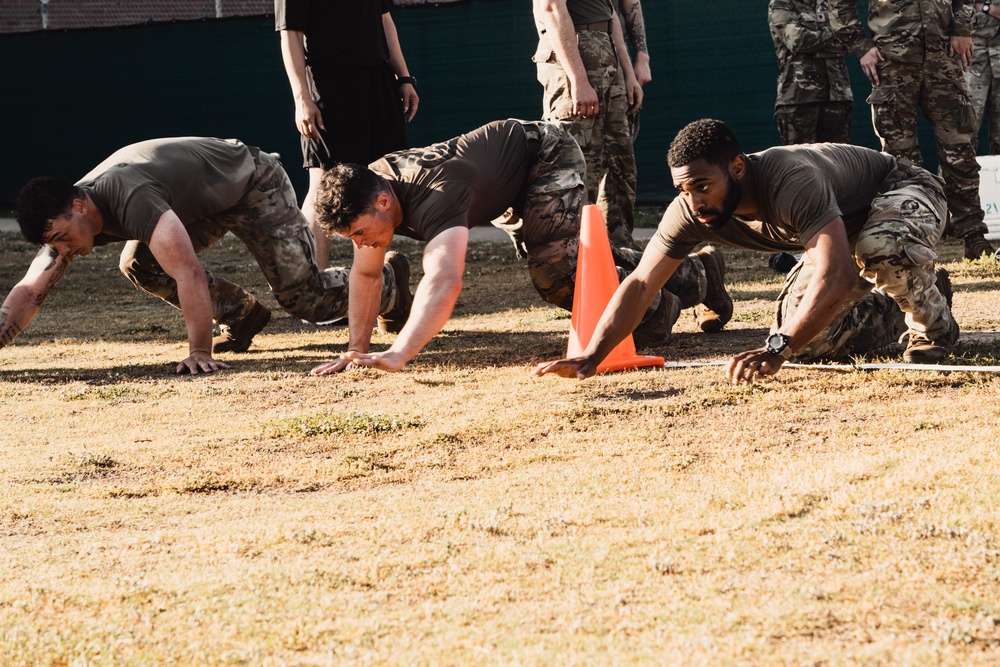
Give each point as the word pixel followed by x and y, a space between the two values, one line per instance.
pixel 463 512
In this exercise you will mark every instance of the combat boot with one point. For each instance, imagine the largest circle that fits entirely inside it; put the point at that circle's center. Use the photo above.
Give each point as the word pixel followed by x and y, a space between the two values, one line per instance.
pixel 942 280
pixel 237 337
pixel 976 246
pixel 392 320
pixel 717 308
pixel 920 349
pixel 655 329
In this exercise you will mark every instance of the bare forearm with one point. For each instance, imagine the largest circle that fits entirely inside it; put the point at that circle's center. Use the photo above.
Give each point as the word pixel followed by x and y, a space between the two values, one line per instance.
pixel 631 12
pixel 433 304
pixel 26 298
pixel 621 316
pixel 817 309
pixel 14 317
pixel 196 305
pixel 293 55
pixel 364 299
pixel 396 61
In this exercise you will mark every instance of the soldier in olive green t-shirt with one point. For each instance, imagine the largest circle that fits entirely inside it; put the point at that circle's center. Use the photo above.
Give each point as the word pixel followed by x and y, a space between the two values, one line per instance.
pixel 169 199
pixel 847 207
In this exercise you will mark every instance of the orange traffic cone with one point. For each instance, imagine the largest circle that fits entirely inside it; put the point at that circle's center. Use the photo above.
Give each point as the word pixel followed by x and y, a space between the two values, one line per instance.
pixel 596 282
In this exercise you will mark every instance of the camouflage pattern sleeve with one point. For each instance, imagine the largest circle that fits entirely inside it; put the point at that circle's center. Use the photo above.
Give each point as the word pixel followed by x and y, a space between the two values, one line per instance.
pixel 963 10
pixel 796 35
pixel 846 24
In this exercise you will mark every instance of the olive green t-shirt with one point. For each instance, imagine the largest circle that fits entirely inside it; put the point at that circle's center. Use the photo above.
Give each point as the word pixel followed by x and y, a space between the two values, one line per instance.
pixel 195 176
pixel 589 11
pixel 463 182
pixel 799 189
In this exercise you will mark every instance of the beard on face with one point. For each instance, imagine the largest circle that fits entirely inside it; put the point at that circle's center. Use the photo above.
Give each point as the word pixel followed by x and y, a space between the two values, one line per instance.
pixel 734 191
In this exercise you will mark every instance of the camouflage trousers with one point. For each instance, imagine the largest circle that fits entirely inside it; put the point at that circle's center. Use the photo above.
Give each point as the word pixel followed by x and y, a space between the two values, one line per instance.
pixel 268 221
pixel 896 288
pixel 938 88
pixel 983 81
pixel 605 139
pixel 814 122
pixel 550 228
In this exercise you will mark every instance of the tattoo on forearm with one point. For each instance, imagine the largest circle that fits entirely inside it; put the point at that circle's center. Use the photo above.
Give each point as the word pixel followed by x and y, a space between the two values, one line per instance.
pixel 53 258
pixel 8 330
pixel 635 26
pixel 57 268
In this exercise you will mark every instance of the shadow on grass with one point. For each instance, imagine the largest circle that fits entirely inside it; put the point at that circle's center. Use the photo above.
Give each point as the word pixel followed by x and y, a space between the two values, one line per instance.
pixel 979 285
pixel 92 376
pixel 455 348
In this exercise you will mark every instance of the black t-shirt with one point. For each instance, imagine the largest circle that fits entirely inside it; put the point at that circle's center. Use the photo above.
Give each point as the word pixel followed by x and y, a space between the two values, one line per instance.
pixel 338 32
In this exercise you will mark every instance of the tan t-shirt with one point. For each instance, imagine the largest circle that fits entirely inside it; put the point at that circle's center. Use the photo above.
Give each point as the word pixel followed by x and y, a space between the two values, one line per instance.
pixel 195 176
pixel 799 189
pixel 463 182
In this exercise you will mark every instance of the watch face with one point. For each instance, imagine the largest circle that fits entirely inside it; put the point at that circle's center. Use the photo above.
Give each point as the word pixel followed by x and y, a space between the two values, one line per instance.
pixel 776 343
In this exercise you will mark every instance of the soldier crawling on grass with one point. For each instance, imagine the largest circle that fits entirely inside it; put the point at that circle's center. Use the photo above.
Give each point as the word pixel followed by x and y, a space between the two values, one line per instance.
pixel 169 199
pixel 531 172
pixel 865 220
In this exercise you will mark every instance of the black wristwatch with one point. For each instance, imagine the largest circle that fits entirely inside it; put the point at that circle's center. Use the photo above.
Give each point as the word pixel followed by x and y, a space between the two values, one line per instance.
pixel 400 80
pixel 778 343
pixel 986 6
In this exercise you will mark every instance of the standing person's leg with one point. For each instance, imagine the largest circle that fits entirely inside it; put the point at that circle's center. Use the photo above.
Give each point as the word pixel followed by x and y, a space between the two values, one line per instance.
pixel 597 53
pixel 894 109
pixel 797 123
pixel 946 104
pixel 616 192
pixel 323 242
pixel 833 123
pixel 978 79
pixel 992 114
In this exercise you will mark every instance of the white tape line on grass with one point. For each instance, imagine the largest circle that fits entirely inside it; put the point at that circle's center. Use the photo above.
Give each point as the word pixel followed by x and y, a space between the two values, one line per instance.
pixel 851 367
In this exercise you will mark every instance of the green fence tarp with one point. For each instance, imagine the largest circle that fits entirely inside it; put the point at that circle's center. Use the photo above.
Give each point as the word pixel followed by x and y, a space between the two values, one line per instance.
pixel 71 98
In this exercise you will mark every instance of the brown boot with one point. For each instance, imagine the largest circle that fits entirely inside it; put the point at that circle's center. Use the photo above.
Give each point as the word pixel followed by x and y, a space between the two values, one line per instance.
pixel 717 308
pixel 392 320
pixel 976 246
pixel 921 350
pixel 943 282
pixel 655 330
pixel 237 337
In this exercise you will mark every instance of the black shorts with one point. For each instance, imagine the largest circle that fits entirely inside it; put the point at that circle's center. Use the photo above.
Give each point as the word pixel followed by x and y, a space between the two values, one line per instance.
pixel 362 113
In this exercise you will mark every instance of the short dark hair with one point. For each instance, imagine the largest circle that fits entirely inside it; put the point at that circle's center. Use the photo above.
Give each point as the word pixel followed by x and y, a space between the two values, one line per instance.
pixel 40 201
pixel 347 192
pixel 705 139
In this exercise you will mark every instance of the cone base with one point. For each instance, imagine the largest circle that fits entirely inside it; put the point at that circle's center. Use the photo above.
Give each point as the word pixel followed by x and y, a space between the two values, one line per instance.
pixel 628 363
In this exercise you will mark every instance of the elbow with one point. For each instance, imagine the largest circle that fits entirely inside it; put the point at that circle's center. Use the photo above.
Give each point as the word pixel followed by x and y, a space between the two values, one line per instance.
pixel 844 282
pixel 638 292
pixel 546 8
